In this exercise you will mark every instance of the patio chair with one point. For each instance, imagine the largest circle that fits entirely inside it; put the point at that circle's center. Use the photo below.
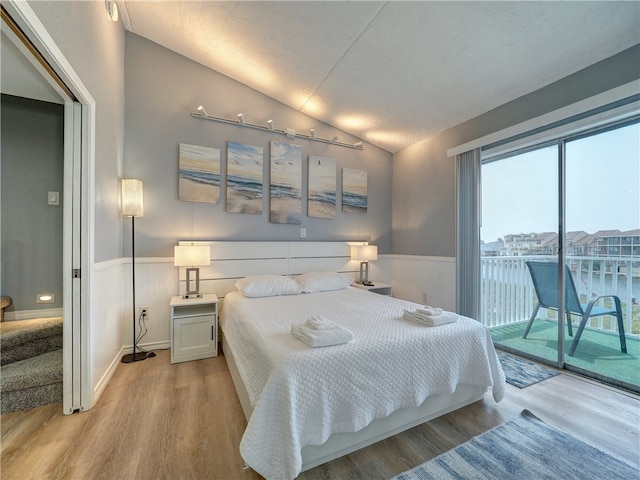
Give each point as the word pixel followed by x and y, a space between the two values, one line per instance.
pixel 545 282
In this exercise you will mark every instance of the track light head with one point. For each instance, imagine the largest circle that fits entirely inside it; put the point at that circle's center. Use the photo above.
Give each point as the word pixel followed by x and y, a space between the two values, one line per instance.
pixel 334 139
pixel 270 124
pixel 202 111
pixel 312 133
pixel 358 144
pixel 241 118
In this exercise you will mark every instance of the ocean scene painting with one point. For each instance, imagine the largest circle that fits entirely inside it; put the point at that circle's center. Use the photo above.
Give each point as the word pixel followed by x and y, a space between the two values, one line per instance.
pixel 286 183
pixel 245 177
pixel 321 202
pixel 198 174
pixel 354 190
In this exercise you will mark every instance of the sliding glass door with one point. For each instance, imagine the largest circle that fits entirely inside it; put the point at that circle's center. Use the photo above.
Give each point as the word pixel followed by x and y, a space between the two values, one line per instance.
pixel 602 248
pixel 579 196
pixel 519 224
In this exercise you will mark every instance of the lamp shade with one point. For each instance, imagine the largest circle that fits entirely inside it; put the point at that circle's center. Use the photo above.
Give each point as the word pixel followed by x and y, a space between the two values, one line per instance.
pixel 191 255
pixel 132 197
pixel 363 253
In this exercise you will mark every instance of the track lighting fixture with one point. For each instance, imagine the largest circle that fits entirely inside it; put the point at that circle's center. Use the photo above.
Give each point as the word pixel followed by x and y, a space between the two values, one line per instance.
pixel 270 127
pixel 202 111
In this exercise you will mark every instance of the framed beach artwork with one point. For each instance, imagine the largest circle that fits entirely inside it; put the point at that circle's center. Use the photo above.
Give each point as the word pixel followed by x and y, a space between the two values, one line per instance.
pixel 354 190
pixel 198 174
pixel 321 201
pixel 245 177
pixel 286 183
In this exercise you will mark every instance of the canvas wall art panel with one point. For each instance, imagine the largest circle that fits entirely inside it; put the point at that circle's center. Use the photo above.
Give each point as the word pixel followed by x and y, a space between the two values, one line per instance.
pixel 286 183
pixel 245 178
pixel 198 174
pixel 321 201
pixel 354 190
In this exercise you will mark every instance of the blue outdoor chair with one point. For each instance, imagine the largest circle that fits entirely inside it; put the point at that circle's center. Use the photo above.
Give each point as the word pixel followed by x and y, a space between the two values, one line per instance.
pixel 545 282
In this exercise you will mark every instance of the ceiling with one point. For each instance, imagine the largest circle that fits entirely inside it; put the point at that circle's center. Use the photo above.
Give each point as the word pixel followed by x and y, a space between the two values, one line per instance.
pixel 392 73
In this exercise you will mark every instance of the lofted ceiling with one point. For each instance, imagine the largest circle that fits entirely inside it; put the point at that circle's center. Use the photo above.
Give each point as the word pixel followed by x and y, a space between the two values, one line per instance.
pixel 392 73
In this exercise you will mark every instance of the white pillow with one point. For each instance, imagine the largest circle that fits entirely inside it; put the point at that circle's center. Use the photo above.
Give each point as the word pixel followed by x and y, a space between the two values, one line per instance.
pixel 323 281
pixel 267 286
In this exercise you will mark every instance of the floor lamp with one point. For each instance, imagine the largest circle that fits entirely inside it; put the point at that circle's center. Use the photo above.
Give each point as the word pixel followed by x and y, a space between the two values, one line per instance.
pixel 132 207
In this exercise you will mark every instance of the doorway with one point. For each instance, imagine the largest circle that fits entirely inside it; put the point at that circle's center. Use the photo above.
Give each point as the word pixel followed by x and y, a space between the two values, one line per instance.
pixel 26 36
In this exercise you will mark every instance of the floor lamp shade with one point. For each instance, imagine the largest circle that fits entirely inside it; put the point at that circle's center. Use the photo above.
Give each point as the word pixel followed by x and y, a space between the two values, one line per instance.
pixel 132 201
pixel 132 207
pixel 364 254
pixel 192 256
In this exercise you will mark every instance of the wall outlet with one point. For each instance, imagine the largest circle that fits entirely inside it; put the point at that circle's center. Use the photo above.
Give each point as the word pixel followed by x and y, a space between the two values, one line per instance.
pixel 144 312
pixel 303 232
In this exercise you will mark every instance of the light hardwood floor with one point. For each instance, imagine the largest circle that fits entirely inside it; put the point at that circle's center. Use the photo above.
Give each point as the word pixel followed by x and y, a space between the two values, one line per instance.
pixel 184 421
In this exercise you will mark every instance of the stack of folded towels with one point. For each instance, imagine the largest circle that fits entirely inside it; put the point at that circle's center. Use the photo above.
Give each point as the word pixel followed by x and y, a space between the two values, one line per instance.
pixel 317 331
pixel 430 316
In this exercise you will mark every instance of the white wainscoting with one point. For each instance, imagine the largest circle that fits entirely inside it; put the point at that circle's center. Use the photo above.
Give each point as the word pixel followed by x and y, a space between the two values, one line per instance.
pixel 426 280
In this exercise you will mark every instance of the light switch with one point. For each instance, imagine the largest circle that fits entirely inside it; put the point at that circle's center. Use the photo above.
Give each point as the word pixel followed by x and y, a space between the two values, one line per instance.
pixel 54 198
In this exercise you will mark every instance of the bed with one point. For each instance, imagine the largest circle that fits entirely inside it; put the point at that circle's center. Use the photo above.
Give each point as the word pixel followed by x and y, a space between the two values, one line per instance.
pixel 306 406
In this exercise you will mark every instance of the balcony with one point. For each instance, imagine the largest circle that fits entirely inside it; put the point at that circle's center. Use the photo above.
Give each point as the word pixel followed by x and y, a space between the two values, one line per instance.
pixel 508 299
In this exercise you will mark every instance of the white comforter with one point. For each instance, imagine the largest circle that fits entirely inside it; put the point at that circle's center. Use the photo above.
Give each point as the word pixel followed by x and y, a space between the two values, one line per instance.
pixel 301 395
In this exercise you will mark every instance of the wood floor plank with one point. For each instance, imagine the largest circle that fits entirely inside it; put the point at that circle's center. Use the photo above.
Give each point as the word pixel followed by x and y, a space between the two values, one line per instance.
pixel 184 421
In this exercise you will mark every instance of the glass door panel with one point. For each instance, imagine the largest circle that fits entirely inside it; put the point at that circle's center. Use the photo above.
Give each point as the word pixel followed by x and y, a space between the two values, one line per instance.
pixel 603 249
pixel 519 224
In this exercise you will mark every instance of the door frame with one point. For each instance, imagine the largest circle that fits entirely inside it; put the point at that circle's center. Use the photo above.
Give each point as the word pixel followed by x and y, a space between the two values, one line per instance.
pixel 78 249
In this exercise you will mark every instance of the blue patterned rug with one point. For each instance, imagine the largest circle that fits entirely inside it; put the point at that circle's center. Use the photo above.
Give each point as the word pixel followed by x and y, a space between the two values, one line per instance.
pixel 522 373
pixel 525 449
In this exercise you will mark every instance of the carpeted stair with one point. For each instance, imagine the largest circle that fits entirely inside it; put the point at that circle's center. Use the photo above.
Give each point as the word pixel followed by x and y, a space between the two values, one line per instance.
pixel 31 363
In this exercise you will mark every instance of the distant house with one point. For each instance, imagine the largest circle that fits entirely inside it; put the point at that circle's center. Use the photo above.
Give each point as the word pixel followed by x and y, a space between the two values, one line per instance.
pixel 604 243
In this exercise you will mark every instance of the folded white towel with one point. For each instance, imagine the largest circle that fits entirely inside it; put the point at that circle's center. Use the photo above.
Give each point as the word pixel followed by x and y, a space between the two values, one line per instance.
pixel 431 311
pixel 318 322
pixel 430 320
pixel 321 338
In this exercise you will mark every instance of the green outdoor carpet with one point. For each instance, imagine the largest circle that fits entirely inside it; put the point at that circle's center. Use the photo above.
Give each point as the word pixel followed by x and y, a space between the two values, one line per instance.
pixel 597 352
pixel 525 449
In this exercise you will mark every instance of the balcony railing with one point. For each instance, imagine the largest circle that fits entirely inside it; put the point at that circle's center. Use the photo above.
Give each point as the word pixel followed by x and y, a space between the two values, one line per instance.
pixel 508 295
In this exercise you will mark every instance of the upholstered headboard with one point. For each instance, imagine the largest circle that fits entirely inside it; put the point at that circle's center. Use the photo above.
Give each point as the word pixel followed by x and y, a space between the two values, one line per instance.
pixel 233 260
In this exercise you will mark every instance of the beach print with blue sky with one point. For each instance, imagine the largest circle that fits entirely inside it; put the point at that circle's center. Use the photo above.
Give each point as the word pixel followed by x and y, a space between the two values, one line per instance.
pixel 245 177
pixel 286 183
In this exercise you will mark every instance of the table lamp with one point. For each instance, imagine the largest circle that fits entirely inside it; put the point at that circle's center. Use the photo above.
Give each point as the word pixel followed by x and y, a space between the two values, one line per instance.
pixel 364 254
pixel 192 256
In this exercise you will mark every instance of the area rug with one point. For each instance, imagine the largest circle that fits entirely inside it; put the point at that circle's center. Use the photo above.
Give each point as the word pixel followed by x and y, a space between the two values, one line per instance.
pixel 522 373
pixel 525 448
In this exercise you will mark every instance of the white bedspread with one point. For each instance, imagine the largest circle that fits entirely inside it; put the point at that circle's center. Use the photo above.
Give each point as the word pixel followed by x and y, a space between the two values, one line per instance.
pixel 301 395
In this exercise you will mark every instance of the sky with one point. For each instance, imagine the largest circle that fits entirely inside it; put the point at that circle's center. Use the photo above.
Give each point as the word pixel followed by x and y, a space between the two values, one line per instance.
pixel 519 194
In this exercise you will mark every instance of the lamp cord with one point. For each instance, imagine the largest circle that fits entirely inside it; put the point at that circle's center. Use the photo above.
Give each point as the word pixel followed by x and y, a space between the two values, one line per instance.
pixel 143 326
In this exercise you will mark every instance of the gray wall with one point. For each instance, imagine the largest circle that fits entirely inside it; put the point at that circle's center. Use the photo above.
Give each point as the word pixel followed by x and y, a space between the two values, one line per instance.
pixel 424 181
pixel 94 46
pixel 162 89
pixel 32 164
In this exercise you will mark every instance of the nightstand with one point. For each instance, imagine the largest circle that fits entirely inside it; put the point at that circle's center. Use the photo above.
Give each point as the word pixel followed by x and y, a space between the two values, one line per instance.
pixel 377 287
pixel 194 328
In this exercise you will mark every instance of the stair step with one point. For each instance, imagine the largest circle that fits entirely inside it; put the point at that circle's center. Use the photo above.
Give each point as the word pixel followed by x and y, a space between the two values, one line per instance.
pixel 32 382
pixel 22 339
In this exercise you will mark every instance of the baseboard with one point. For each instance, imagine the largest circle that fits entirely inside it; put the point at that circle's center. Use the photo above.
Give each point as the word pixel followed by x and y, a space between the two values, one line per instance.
pixel 29 314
